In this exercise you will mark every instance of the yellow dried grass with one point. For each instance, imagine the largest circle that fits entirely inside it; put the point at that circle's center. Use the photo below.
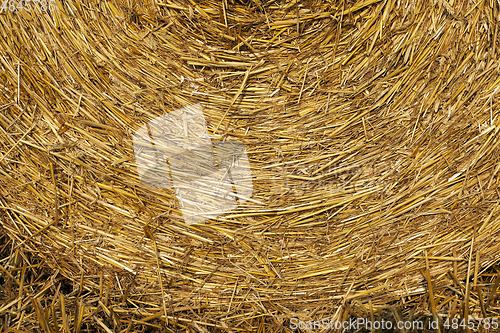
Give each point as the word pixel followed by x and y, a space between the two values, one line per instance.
pixel 372 132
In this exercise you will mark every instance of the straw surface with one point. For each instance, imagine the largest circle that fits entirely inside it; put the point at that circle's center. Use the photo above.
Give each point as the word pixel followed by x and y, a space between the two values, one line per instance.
pixel 371 129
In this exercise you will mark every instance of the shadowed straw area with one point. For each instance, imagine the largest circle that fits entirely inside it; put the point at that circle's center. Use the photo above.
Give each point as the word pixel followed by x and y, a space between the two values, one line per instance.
pixel 371 129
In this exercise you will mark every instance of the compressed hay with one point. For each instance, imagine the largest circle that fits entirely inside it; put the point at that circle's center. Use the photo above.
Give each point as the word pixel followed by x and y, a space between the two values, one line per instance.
pixel 371 129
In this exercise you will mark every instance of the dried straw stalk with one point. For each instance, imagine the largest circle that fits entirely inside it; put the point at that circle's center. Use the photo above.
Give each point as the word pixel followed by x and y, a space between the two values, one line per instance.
pixel 372 132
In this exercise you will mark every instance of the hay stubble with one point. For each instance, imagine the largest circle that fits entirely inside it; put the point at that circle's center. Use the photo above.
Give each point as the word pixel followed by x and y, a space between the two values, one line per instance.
pixel 372 133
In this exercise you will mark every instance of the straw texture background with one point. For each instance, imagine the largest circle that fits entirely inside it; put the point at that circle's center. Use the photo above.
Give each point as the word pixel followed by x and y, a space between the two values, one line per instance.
pixel 372 133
